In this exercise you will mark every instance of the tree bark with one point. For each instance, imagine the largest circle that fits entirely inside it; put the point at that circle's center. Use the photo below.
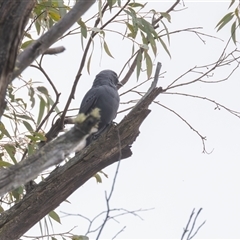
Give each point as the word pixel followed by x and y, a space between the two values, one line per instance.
pixel 110 147
pixel 14 16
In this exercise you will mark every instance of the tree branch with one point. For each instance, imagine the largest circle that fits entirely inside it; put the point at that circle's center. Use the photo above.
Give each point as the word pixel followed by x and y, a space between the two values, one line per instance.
pixel 66 179
pixel 45 41
pixel 14 17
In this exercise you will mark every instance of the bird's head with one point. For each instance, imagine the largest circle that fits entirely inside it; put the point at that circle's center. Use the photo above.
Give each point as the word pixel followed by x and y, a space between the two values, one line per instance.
pixel 107 77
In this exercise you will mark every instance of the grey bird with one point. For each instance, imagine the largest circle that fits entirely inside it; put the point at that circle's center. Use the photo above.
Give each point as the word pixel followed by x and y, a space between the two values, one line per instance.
pixel 103 95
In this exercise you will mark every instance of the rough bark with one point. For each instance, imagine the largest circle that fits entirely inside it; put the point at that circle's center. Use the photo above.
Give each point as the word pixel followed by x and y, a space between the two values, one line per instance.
pixel 14 16
pixel 51 154
pixel 111 147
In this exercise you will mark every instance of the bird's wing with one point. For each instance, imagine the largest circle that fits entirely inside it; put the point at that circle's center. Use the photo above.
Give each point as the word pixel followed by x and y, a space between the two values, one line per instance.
pixel 89 101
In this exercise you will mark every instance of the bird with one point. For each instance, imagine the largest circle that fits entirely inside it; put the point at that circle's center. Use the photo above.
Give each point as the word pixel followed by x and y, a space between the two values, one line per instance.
pixel 103 95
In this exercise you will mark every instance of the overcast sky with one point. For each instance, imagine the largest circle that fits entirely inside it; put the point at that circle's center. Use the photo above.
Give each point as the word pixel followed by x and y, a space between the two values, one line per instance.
pixel 168 171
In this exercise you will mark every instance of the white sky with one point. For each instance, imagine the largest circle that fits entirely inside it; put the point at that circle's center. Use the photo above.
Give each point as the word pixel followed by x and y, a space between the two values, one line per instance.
pixel 168 171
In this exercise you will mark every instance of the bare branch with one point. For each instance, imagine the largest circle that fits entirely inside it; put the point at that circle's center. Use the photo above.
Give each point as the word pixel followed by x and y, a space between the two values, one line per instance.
pixel 45 41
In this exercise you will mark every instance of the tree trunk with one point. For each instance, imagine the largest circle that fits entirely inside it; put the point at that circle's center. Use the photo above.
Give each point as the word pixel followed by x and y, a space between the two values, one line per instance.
pixel 14 16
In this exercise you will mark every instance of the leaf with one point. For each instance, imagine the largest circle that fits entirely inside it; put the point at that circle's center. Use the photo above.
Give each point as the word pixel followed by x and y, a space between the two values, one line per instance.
pixel 165 47
pixel 136 5
pixel 233 32
pixel 103 173
pixel 43 90
pixel 51 103
pixel 79 237
pixel 144 46
pixel 153 44
pixel 227 18
pixel 4 130
pixel 98 178
pixel 107 49
pixel 27 126
pixel 62 8
pixel 139 62
pixel 26 44
pixel 232 2
pixel 54 14
pixel 38 26
pixel 41 109
pixel 167 32
pixel 54 216
pixel 166 15
pixel 11 150
pixel 40 136
pixel 83 28
pixel 53 238
pixel 149 64
pixel 111 3
pixel 5 164
pixel 1 209
pixel 88 62
pixel 31 95
pixel 23 116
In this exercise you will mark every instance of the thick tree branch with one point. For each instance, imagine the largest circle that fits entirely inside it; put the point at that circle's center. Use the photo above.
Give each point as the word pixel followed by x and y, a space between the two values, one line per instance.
pixel 13 19
pixel 51 154
pixel 66 179
pixel 45 41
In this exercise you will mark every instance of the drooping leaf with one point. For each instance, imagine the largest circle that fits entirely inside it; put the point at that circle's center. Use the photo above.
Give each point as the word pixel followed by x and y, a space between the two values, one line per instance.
pixel 107 49
pixel 89 62
pixel 83 28
pixel 31 95
pixel 166 15
pixel 232 2
pixel 139 63
pixel 27 126
pixel 54 216
pixel 43 90
pixel 233 32
pixel 11 150
pixel 4 130
pixel 111 3
pixel 41 109
pixel 149 64
pixel 98 178
pixel 164 46
pixel 226 19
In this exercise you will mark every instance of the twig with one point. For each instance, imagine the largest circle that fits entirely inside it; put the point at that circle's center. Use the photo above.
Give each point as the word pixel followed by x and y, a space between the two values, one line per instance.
pixel 55 50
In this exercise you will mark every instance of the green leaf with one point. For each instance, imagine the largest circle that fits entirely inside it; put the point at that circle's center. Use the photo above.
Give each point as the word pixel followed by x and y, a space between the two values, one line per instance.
pixel 38 26
pixel 166 15
pixel 149 64
pixel 165 47
pixel 51 103
pixel 232 2
pixel 107 49
pixel 43 90
pixel 54 216
pixel 26 44
pixel 41 109
pixel 153 44
pixel 83 28
pixel 136 5
pixel 27 126
pixel 1 209
pixel 89 62
pixel 11 150
pixel 62 8
pixel 23 116
pixel 167 32
pixel 4 130
pixel 53 238
pixel 139 62
pixel 54 14
pixel 5 164
pixel 111 3
pixel 233 32
pixel 226 19
pixel 31 95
